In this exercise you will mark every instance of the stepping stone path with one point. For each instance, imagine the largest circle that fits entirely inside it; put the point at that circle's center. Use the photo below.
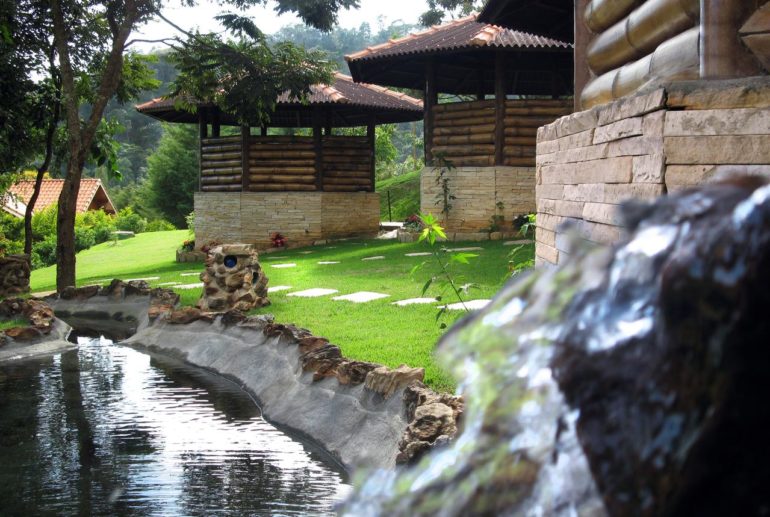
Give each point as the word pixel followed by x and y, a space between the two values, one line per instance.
pixel 314 293
pixel 305 252
pixel 514 243
pixel 471 305
pixel 415 301
pixel 274 258
pixel 278 288
pixel 283 266
pixel 360 297
pixel 474 248
pixel 190 287
pixel 166 284
pixel 374 258
pixel 424 254
pixel 148 279
pixel 328 263
pixel 190 274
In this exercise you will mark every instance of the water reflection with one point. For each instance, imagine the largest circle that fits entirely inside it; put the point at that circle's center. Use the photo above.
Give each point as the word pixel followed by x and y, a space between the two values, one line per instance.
pixel 108 430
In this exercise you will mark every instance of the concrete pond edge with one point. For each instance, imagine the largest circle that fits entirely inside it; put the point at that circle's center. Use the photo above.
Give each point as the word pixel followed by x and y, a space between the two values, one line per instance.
pixel 362 414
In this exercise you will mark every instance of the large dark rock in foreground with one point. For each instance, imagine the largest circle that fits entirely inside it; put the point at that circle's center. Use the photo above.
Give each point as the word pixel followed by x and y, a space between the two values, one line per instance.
pixel 629 381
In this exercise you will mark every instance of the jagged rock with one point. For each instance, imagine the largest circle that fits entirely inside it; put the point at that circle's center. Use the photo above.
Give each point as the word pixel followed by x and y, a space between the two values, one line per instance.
pixel 311 343
pixel 411 452
pixel 14 275
pixel 323 361
pixel 386 382
pixel 354 372
pixel 187 315
pixel 418 394
pixel 23 333
pixel 39 315
pixel 233 279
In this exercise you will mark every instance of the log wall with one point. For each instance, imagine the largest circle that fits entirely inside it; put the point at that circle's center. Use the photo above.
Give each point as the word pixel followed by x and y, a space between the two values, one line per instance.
pixel 286 164
pixel 347 164
pixel 464 132
pixel 221 166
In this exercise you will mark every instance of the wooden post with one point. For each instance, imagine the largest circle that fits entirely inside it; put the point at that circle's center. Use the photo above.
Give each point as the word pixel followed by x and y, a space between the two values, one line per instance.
pixel 722 54
pixel 216 123
pixel 371 134
pixel 318 149
pixel 245 141
pixel 429 101
pixel 499 108
pixel 328 123
pixel 203 122
pixel 263 131
pixel 583 37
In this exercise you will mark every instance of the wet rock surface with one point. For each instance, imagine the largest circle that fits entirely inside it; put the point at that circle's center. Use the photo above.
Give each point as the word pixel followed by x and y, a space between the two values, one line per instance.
pixel 628 381
pixel 233 279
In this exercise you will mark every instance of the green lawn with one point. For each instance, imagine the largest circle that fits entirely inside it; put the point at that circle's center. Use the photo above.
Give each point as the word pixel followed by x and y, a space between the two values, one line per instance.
pixel 404 196
pixel 376 331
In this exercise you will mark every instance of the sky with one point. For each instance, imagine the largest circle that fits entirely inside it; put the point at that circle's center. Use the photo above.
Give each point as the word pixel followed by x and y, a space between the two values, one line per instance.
pixel 202 17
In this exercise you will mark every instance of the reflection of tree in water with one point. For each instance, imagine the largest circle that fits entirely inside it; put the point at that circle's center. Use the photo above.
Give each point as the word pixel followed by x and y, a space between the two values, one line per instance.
pixel 254 483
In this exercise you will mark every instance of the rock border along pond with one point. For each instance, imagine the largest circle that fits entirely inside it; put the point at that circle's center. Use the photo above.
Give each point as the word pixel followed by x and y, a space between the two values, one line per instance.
pixel 363 414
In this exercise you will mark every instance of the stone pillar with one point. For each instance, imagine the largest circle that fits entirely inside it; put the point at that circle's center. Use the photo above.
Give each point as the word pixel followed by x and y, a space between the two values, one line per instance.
pixel 233 279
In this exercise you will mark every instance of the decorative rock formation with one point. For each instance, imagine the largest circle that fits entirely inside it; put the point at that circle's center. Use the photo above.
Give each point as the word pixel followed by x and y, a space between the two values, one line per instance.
pixel 14 275
pixel 39 315
pixel 433 419
pixel 233 280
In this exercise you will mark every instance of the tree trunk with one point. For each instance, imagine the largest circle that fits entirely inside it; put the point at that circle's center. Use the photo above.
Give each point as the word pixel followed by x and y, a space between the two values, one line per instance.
pixel 28 212
pixel 65 225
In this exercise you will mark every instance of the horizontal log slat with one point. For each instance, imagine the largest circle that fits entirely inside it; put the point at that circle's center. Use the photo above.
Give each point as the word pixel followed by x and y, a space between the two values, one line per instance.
pixel 519 151
pixel 281 187
pixel 462 115
pixel 451 107
pixel 472 161
pixel 256 154
pixel 280 179
pixel 220 156
pixel 346 174
pixel 519 162
pixel 556 111
pixel 464 150
pixel 208 164
pixel 484 138
pixel 521 131
pixel 346 188
pixel 220 171
pixel 345 167
pixel 280 139
pixel 347 181
pixel 521 140
pixel 278 164
pixel 460 130
pixel 282 170
pixel 220 149
pixel 470 121
pixel 221 180
pixel 221 140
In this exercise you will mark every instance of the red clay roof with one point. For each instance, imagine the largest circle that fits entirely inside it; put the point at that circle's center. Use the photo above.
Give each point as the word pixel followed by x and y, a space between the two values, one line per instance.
pixel 343 91
pixel 51 189
pixel 464 33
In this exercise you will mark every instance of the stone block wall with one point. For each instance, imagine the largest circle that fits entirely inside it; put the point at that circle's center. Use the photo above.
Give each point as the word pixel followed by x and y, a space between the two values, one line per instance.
pixel 641 147
pixel 477 191
pixel 302 217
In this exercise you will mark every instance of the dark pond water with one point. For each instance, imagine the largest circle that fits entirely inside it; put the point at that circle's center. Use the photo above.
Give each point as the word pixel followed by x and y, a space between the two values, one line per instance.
pixel 109 430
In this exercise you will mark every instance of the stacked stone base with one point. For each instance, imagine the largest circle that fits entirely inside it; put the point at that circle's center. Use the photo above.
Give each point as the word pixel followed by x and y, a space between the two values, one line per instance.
pixel 302 217
pixel 477 192
pixel 678 136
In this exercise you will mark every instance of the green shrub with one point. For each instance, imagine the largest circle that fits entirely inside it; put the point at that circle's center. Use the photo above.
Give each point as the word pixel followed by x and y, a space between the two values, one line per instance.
pixel 84 238
pixel 159 225
pixel 102 224
pixel 44 252
pixel 44 222
pixel 130 221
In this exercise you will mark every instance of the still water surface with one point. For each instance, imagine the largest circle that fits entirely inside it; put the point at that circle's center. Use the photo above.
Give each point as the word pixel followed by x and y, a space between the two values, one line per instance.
pixel 107 430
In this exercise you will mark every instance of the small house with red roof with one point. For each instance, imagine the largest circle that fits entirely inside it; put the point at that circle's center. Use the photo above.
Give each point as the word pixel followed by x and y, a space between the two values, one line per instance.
pixel 92 196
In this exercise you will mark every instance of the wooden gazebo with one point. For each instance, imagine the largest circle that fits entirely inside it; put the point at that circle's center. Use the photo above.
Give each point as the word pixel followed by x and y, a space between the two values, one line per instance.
pixel 307 188
pixel 516 82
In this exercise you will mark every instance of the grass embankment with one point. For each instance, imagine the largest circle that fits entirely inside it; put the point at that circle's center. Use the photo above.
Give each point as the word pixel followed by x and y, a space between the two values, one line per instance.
pixel 9 324
pixel 377 331
pixel 404 196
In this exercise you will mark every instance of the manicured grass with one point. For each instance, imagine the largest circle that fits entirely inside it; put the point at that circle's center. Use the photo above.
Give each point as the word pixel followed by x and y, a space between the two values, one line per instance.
pixel 404 196
pixel 377 331
pixel 9 324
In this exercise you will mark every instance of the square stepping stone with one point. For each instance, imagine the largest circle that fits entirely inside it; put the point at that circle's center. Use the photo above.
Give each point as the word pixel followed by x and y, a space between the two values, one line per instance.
pixel 190 274
pixel 415 301
pixel 271 257
pixel 360 297
pixel 514 243
pixel 423 254
pixel 471 305
pixel 328 263
pixel 379 257
pixel 166 284
pixel 278 288
pixel 283 266
pixel 472 248
pixel 313 293
pixel 190 287
pixel 305 252
pixel 148 279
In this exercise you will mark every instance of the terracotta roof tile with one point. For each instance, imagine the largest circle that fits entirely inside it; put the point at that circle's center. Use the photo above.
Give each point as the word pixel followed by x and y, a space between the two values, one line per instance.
pixel 459 34
pixel 51 189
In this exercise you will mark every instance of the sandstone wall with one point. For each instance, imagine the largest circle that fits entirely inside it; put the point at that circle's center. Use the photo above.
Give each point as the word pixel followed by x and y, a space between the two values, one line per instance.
pixel 641 147
pixel 477 191
pixel 302 217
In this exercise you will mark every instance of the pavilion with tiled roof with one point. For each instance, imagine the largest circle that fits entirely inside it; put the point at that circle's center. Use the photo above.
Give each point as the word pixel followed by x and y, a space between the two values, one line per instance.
pixel 91 196
pixel 306 188
pixel 516 81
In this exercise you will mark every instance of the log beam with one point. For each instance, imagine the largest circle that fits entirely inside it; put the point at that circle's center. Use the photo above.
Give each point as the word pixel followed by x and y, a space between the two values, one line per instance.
pixel 371 134
pixel 245 142
pixel 318 148
pixel 430 100
pixel 722 55
pixel 583 38
pixel 499 107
